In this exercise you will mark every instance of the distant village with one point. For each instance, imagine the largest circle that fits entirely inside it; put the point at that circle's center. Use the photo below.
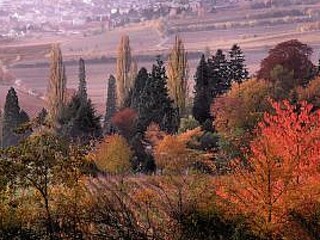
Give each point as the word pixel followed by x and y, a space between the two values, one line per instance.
pixel 19 19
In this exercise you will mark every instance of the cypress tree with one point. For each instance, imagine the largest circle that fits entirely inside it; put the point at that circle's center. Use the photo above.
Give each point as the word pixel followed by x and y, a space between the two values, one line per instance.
pixel 12 119
pixel 111 105
pixel 238 70
pixel 155 104
pixel 202 99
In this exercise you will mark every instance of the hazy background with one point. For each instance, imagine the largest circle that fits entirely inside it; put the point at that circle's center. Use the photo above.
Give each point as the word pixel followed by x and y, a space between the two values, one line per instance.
pixel 91 29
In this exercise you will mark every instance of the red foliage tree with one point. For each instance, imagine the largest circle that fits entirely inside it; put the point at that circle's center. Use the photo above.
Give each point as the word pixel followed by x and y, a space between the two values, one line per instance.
pixel 291 55
pixel 282 170
pixel 125 121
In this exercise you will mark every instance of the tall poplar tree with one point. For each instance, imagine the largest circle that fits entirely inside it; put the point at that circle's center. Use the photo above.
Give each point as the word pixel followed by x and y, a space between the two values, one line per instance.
pixel 57 85
pixel 177 75
pixel 125 72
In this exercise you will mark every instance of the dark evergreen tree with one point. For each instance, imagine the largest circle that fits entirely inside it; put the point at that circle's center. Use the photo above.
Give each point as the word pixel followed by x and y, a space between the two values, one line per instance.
pixel 82 81
pixel 155 104
pixel 111 105
pixel 79 119
pixel 13 117
pixel 140 83
pixel 42 115
pixel 238 70
pixel 220 81
pixel 202 98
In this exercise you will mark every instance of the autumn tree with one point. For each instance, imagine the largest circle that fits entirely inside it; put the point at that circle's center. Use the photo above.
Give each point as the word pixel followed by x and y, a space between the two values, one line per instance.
pixel 13 117
pixel 202 98
pixel 172 154
pixel 111 105
pixel 177 75
pixel 236 115
pixel 293 56
pixel 57 85
pixel 38 163
pixel 238 70
pixel 125 121
pixel 114 155
pixel 126 68
pixel 282 171
pixel 310 93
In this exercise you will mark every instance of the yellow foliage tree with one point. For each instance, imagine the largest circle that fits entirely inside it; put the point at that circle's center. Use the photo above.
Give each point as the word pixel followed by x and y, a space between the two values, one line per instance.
pixel 238 111
pixel 172 153
pixel 114 155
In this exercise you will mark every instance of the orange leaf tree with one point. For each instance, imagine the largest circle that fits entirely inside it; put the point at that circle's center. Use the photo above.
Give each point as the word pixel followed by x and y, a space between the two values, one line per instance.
pixel 282 169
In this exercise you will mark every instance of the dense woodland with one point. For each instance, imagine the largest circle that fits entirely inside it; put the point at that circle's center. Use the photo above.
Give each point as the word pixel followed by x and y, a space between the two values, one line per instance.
pixel 233 156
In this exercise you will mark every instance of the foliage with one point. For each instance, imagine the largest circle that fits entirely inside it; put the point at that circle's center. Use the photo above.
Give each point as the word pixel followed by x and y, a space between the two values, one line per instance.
pixel 79 120
pixel 13 118
pixel 172 154
pixel 38 163
pixel 57 85
pixel 238 111
pixel 177 75
pixel 124 77
pixel 139 85
pixel 220 77
pixel 155 104
pixel 293 56
pixel 111 105
pixel 188 123
pixel 238 70
pixel 282 168
pixel 125 121
pixel 311 93
pixel 202 98
pixel 114 155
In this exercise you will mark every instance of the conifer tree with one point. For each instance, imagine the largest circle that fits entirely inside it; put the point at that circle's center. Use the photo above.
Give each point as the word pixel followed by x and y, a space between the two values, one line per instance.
pixel 238 70
pixel 57 85
pixel 139 85
pixel 13 117
pixel 79 119
pixel 124 72
pixel 177 75
pixel 155 104
pixel 220 81
pixel 111 105
pixel 202 99
pixel 82 81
